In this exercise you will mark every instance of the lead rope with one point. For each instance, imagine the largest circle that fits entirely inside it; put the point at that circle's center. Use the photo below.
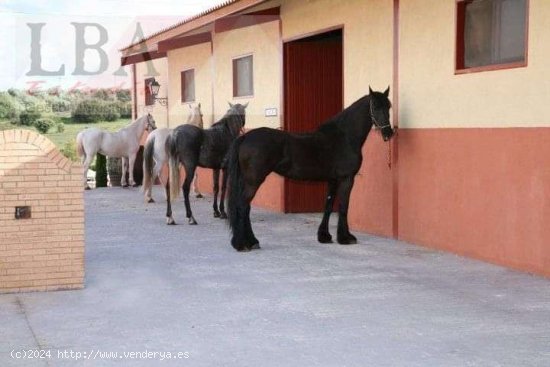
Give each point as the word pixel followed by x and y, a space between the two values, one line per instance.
pixel 379 127
pixel 389 154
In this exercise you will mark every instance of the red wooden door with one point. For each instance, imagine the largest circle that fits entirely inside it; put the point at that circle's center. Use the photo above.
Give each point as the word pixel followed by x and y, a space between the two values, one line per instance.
pixel 312 94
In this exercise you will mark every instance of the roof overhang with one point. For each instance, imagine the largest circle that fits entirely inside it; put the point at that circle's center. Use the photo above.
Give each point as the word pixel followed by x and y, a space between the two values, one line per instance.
pixel 226 9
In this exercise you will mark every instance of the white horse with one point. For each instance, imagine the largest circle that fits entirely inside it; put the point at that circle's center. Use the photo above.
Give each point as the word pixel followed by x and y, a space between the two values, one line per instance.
pixel 121 144
pixel 155 157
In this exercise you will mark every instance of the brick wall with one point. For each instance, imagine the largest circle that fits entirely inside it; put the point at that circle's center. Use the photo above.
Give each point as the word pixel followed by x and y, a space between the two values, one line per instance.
pixel 45 252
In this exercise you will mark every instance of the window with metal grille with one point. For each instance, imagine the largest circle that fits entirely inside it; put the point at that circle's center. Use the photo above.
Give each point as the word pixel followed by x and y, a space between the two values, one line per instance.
pixel 243 81
pixel 188 86
pixel 491 34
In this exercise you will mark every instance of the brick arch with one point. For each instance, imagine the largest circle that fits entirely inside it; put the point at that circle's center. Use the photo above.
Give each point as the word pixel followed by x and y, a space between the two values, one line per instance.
pixel 22 136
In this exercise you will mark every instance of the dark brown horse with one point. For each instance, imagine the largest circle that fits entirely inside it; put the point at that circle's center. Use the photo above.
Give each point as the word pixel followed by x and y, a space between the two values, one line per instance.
pixel 332 153
pixel 194 147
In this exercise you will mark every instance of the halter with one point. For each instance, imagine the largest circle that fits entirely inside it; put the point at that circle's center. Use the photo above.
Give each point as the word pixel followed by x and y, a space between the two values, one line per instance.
pixel 376 124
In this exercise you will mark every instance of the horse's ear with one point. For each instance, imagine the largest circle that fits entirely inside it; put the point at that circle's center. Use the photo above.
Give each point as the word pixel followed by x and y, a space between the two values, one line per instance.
pixel 246 105
pixel 387 92
pixel 199 105
pixel 370 90
pixel 230 104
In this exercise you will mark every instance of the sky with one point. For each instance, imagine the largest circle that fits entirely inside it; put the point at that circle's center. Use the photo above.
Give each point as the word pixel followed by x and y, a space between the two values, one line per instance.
pixel 57 30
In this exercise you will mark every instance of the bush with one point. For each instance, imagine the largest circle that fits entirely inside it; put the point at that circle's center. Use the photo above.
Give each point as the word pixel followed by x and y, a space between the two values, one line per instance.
pixel 69 150
pixel 111 112
pixel 88 110
pixel 123 95
pixel 103 94
pixel 7 106
pixel 92 110
pixel 60 127
pixel 124 109
pixel 43 125
pixel 29 118
pixel 101 171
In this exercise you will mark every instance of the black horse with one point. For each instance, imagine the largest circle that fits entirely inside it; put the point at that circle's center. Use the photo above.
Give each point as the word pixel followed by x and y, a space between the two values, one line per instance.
pixel 192 147
pixel 332 153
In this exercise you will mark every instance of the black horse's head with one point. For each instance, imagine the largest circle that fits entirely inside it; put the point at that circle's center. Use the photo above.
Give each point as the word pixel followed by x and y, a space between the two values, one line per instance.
pixel 237 117
pixel 379 106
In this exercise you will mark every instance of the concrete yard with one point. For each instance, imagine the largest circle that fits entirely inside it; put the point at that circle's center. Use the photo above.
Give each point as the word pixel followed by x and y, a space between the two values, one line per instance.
pixel 153 289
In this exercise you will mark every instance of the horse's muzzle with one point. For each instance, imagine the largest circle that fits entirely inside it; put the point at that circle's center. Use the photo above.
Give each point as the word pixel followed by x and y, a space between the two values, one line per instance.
pixel 388 133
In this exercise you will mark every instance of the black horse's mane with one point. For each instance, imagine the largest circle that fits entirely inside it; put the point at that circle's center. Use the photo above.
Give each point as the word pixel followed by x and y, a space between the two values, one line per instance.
pixel 226 119
pixel 336 122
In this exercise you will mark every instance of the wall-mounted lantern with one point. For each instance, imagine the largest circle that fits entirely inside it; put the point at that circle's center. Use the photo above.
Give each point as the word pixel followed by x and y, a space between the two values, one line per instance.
pixel 154 87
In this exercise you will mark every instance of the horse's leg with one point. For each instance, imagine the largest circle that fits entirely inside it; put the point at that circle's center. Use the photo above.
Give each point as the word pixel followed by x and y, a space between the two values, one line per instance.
pixel 131 162
pixel 250 237
pixel 343 235
pixel 86 163
pixel 243 239
pixel 156 173
pixel 161 179
pixel 216 189
pixel 189 172
pixel 196 190
pixel 169 218
pixel 323 234
pixel 223 214
pixel 123 181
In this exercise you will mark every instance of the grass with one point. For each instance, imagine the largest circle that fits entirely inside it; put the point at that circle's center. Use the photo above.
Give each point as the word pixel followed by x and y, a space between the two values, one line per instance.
pixel 71 129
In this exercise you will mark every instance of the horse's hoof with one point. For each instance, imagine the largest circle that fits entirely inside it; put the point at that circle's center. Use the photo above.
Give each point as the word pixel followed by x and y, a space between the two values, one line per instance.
pixel 324 237
pixel 135 185
pixel 125 185
pixel 150 200
pixel 347 240
pixel 255 246
pixel 87 188
pixel 223 215
pixel 199 196
pixel 192 221
pixel 244 249
pixel 217 214
pixel 170 221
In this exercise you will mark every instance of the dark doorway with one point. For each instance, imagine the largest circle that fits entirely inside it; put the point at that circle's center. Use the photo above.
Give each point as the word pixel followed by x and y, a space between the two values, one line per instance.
pixel 313 82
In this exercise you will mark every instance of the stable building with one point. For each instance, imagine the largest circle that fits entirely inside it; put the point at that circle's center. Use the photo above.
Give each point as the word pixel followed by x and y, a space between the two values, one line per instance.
pixel 469 171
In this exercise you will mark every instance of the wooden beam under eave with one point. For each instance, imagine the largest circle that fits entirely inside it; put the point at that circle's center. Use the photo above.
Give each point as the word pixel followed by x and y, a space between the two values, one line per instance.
pixel 144 56
pixel 181 42
pixel 247 20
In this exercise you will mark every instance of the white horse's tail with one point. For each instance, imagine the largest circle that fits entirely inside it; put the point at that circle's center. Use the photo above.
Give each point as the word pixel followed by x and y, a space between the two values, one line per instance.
pixel 148 163
pixel 173 165
pixel 79 147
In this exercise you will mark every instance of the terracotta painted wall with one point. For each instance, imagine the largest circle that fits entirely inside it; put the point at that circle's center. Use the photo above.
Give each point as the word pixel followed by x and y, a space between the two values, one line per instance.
pixel 474 157
pixel 483 193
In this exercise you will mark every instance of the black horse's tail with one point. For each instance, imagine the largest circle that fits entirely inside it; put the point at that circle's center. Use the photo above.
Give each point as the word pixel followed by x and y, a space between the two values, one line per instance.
pixel 236 183
pixel 148 153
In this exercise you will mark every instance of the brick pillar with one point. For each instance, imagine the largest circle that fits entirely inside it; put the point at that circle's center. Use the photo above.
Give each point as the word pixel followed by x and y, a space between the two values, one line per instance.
pixel 46 251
